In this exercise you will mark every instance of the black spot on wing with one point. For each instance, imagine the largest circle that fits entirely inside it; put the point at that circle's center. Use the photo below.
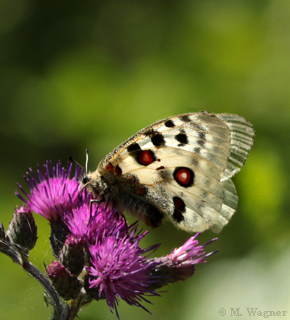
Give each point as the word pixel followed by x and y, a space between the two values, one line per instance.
pixel 201 142
pixel 185 118
pixel 158 140
pixel 169 124
pixel 201 135
pixel 133 147
pixel 196 150
pixel 179 204
pixel 178 216
pixel 197 126
pixel 200 130
pixel 182 138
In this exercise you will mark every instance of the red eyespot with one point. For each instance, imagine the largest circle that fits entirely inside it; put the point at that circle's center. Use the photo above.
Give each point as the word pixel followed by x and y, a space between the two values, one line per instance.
pixel 118 171
pixel 184 176
pixel 109 167
pixel 179 203
pixel 146 157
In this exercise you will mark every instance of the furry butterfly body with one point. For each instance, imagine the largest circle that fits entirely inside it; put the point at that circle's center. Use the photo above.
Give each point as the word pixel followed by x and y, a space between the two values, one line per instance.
pixel 179 168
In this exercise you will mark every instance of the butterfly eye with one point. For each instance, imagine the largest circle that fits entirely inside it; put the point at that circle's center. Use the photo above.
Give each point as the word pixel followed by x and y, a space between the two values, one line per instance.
pixel 85 179
pixel 146 157
pixel 184 176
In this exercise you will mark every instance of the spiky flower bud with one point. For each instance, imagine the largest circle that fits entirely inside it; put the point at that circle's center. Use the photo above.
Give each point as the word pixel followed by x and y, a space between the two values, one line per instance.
pixel 72 255
pixel 22 229
pixel 67 286
pixel 58 234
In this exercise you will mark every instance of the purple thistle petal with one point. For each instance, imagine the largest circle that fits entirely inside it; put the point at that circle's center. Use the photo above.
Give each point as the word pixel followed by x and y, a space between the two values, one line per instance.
pixel 19 196
pixel 41 176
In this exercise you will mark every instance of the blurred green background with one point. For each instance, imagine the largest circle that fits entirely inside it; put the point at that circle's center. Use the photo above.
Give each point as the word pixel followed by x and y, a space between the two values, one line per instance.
pixel 88 74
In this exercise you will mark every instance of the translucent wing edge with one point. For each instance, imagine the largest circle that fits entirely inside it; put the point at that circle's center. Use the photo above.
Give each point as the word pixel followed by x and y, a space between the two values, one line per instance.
pixel 242 139
pixel 228 208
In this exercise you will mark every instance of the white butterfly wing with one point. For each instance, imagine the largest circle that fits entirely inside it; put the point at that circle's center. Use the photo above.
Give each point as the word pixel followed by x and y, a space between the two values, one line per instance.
pixel 181 166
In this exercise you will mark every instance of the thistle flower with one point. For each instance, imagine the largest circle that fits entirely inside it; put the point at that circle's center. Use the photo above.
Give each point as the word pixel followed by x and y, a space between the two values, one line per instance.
pixel 54 189
pixel 111 264
pixel 118 267
pixel 180 263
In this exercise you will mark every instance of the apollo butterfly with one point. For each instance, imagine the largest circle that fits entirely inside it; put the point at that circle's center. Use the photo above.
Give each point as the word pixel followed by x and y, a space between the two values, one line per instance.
pixel 179 168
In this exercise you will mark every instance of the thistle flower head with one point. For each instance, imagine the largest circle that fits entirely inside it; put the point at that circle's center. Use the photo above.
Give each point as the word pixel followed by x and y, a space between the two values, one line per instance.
pixel 52 190
pixel 119 268
pixel 180 263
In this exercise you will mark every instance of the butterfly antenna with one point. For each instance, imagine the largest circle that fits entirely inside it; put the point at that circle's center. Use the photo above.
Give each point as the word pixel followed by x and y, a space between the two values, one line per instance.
pixel 87 160
pixel 74 161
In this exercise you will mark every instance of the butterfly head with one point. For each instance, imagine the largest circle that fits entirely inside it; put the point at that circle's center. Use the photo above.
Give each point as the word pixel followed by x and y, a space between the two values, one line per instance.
pixel 94 183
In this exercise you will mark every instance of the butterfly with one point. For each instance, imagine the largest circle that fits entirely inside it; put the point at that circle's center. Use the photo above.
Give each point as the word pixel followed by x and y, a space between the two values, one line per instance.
pixel 179 168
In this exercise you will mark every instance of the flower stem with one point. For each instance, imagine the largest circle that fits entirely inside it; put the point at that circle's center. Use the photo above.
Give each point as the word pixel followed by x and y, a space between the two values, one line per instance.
pixel 62 311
